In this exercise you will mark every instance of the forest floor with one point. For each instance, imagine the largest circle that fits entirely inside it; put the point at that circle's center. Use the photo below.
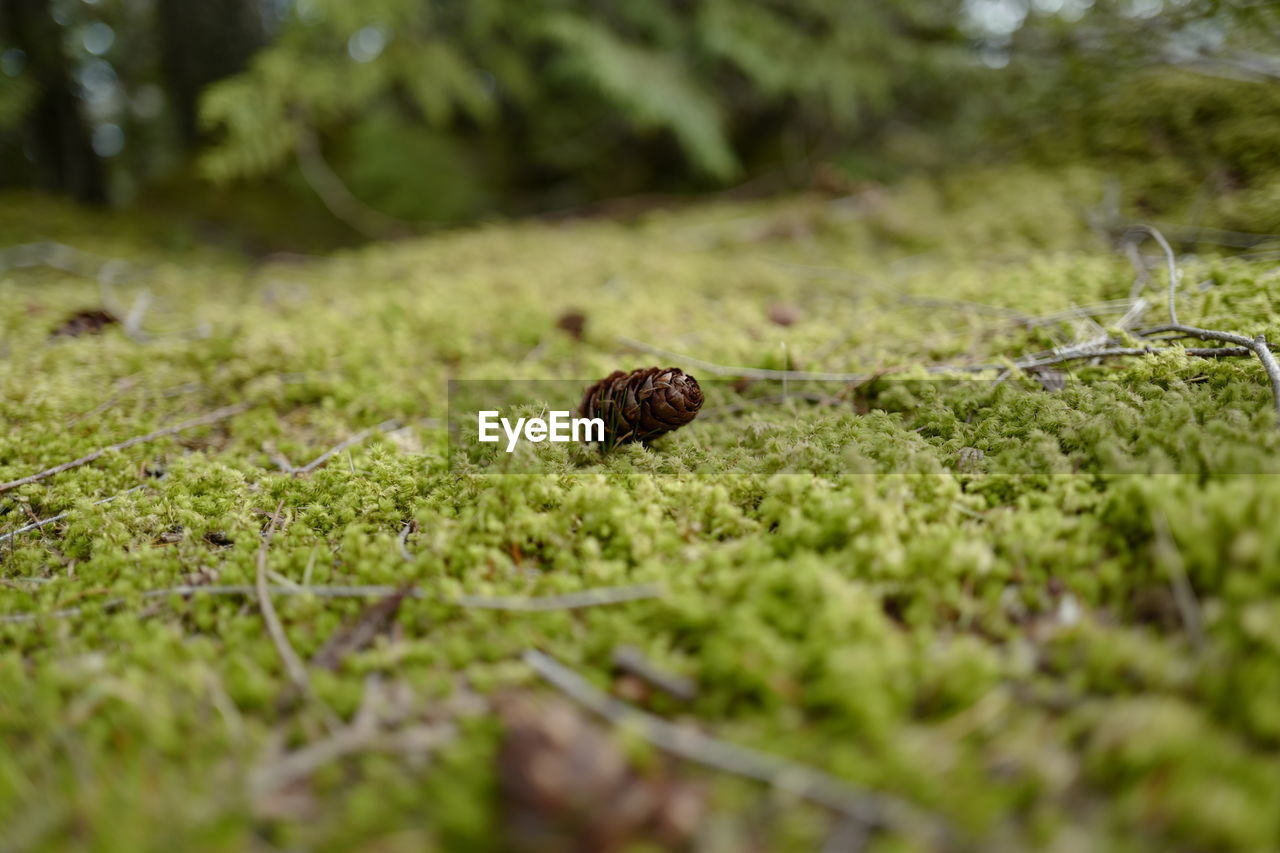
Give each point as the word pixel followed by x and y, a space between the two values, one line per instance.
pixel 1039 611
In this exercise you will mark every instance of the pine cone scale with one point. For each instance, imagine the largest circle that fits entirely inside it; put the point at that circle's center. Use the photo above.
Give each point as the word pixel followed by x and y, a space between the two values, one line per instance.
pixel 643 404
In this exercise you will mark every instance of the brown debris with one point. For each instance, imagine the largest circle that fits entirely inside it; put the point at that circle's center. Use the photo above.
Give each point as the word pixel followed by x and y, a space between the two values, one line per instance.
pixel 219 539
pixel 567 786
pixel 573 323
pixel 360 633
pixel 87 321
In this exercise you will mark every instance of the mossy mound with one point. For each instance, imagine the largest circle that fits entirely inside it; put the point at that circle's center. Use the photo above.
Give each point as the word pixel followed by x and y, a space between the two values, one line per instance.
pixel 1073 652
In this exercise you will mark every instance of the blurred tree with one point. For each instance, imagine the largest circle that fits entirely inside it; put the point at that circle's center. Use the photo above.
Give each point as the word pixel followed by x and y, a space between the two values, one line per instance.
pixel 444 110
pixel 51 133
pixel 571 101
pixel 1179 102
pixel 202 42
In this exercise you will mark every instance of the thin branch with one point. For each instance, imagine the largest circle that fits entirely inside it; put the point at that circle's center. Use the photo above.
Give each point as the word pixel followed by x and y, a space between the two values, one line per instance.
pixel 38 524
pixel 741 372
pixel 212 417
pixel 868 808
pixel 1217 236
pixel 632 661
pixel 122 387
pixel 303 762
pixel 62 257
pixel 571 601
pixel 1258 346
pixel 277 458
pixel 1113 306
pixel 403 539
pixel 1025 364
pixel 1171 259
pixel 1120 352
pixel 293 664
pixel 1184 595
pixel 385 426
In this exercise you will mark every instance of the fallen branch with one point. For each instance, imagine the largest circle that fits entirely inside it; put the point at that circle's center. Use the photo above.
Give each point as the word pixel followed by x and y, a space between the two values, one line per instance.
pixel 741 372
pixel 632 661
pixel 1174 276
pixel 1258 346
pixel 1217 236
pixel 293 664
pixel 403 539
pixel 62 257
pixel 38 524
pixel 374 621
pixel 1184 595
pixel 1120 352
pixel 302 763
pixel 122 386
pixel 1025 364
pixel 385 426
pixel 212 417
pixel 569 601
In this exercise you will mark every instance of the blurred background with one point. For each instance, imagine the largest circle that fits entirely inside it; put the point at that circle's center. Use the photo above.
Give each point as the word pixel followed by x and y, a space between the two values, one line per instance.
pixel 273 125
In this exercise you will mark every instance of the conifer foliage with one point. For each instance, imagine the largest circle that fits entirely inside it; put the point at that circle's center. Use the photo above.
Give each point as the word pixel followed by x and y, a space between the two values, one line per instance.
pixel 550 89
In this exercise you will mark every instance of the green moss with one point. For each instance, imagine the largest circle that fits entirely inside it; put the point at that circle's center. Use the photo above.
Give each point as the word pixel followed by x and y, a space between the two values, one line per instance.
pixel 1000 645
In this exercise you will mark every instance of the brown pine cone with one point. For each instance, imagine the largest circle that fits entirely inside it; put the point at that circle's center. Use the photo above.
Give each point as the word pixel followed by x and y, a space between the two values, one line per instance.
pixel 643 404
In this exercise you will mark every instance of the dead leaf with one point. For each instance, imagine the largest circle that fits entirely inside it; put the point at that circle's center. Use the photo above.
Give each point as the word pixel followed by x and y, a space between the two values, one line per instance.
pixel 88 321
pixel 566 785
pixel 375 620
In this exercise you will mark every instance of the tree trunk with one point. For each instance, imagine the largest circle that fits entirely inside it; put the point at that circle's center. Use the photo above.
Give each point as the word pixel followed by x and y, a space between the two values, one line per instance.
pixel 54 131
pixel 203 41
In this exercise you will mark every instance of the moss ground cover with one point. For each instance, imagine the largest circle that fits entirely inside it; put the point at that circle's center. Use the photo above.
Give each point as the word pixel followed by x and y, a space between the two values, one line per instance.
pixel 1064 654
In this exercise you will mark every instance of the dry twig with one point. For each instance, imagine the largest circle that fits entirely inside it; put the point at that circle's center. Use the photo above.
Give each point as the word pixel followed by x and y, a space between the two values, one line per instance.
pixel 212 417
pixel 302 763
pixel 293 664
pixel 632 661
pixel 741 372
pixel 1119 352
pixel 1184 595
pixel 402 541
pixel 1258 346
pixel 385 426
pixel 569 601
pixel 360 633
pixel 1174 276
pixel 38 524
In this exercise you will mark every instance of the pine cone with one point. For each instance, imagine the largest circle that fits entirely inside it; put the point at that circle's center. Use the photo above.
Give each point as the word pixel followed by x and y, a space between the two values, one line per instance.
pixel 643 404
